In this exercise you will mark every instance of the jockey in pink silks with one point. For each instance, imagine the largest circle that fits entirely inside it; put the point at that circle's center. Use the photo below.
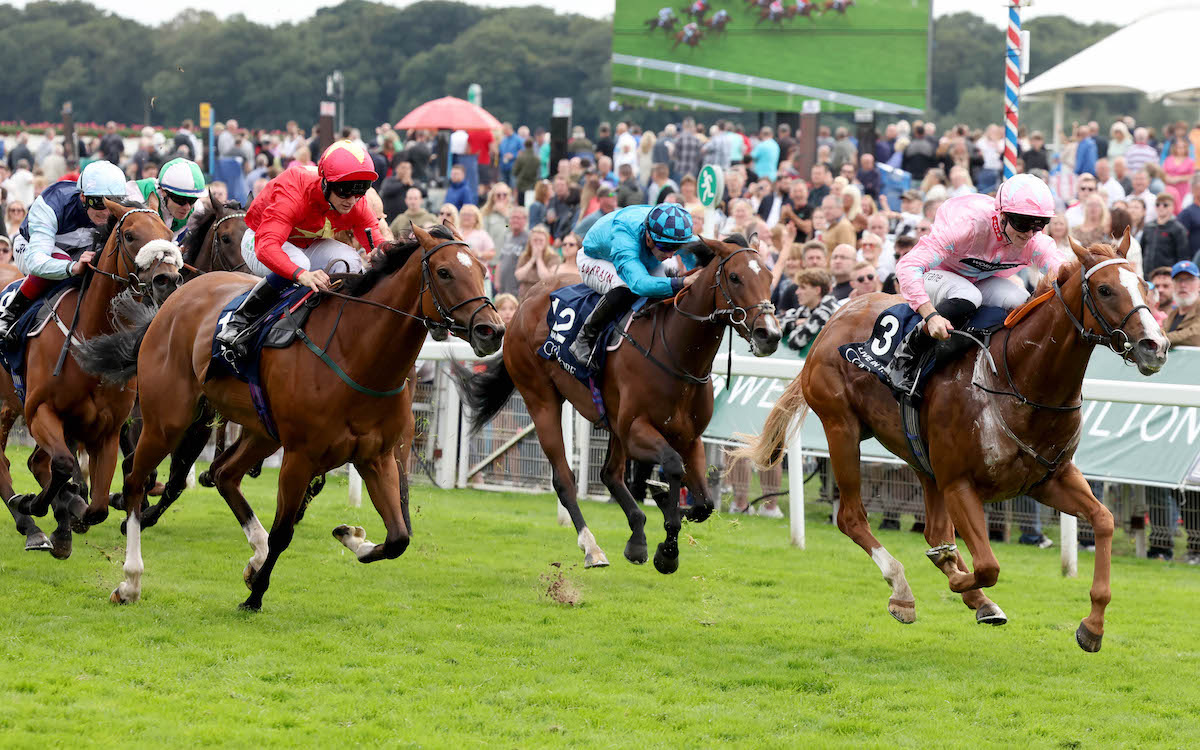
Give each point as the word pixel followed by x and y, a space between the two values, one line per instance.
pixel 976 243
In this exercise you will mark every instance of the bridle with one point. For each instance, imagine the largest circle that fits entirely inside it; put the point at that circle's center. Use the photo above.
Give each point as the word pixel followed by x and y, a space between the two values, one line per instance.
pixel 215 251
pixel 121 248
pixel 1114 337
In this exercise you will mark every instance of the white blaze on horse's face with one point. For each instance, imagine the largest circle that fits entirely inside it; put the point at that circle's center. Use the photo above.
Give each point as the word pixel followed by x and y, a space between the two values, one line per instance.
pixel 1133 284
pixel 755 267
pixel 465 258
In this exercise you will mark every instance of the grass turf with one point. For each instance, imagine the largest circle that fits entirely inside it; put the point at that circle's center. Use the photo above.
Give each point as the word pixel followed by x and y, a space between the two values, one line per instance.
pixel 877 49
pixel 752 643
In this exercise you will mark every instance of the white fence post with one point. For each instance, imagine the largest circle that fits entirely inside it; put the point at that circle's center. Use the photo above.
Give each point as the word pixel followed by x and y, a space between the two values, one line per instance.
pixel 1070 545
pixel 568 431
pixel 355 482
pixel 795 486
pixel 447 425
pixel 583 439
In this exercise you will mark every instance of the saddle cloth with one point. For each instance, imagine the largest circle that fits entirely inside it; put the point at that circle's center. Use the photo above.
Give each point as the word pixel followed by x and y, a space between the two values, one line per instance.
pixel 29 325
pixel 569 308
pixel 275 330
pixel 895 324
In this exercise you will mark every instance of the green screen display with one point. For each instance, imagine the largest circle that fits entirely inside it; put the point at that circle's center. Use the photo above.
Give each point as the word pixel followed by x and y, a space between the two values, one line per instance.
pixel 868 54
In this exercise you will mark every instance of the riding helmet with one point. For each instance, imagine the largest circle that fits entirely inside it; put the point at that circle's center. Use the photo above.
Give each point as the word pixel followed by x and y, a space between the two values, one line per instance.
pixel 1025 194
pixel 181 177
pixel 669 224
pixel 102 178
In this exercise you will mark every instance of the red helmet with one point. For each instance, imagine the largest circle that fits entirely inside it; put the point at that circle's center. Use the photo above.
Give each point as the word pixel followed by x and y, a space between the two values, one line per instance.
pixel 345 161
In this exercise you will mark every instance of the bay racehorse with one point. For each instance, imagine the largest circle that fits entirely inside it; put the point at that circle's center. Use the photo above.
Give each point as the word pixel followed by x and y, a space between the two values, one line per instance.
pixel 992 433
pixel 658 396
pixel 73 408
pixel 324 417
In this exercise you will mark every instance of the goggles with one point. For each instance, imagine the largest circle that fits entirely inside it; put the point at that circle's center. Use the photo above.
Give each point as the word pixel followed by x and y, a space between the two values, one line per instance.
pixel 182 200
pixel 1023 223
pixel 667 248
pixel 96 202
pixel 350 188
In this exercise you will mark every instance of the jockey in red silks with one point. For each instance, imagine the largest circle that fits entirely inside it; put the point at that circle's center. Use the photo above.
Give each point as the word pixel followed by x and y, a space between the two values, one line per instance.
pixel 290 228
pixel 976 243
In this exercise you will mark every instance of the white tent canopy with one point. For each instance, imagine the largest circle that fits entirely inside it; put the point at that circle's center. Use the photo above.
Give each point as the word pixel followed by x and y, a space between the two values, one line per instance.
pixel 1111 66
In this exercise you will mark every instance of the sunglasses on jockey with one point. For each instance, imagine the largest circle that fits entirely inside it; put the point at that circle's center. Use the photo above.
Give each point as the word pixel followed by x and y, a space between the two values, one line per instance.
pixel 96 202
pixel 183 200
pixel 1023 223
pixel 350 188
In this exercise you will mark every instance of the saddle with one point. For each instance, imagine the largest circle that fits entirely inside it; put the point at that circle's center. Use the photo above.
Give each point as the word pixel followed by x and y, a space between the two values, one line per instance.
pixel 895 326
pixel 30 325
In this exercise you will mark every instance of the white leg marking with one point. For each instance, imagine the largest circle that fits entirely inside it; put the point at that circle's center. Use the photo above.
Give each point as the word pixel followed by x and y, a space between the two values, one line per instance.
pixel 893 573
pixel 592 554
pixel 257 536
pixel 356 542
pixel 130 590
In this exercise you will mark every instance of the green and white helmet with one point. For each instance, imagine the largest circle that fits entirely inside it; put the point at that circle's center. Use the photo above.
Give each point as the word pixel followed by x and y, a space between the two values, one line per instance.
pixel 181 177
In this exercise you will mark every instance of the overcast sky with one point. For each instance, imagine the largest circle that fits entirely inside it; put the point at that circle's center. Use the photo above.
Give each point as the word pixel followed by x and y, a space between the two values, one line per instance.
pixel 273 11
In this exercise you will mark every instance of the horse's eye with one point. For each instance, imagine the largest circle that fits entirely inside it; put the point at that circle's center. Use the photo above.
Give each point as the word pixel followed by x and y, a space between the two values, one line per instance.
pixel 225 239
pixel 735 278
pixel 129 237
pixel 444 274
pixel 1105 290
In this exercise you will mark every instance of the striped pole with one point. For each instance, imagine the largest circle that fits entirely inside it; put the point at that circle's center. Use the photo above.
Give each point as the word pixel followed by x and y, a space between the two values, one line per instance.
pixel 1012 88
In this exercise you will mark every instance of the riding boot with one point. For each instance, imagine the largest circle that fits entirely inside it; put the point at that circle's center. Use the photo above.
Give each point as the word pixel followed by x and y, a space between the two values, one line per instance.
pixel 904 368
pixel 10 315
pixel 260 300
pixel 612 305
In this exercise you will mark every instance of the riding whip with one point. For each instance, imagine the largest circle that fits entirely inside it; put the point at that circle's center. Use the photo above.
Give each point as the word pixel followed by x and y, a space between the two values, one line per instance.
pixel 62 355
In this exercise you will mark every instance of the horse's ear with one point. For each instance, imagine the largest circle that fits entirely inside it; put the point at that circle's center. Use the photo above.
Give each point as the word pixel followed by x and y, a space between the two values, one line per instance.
pixel 117 209
pixel 1080 251
pixel 449 224
pixel 704 250
pixel 1123 248
pixel 422 236
pixel 214 204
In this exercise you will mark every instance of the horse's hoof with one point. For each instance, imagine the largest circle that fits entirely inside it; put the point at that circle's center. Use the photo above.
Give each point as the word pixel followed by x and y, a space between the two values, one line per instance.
pixel 60 546
pixel 636 553
pixel 599 560
pixel 990 614
pixel 205 479
pixel 248 575
pixel 116 501
pixel 699 513
pixel 116 597
pixel 904 611
pixel 249 606
pixel 341 532
pixel 157 490
pixel 255 473
pixel 37 542
pixel 1087 640
pixel 663 564
pixel 93 518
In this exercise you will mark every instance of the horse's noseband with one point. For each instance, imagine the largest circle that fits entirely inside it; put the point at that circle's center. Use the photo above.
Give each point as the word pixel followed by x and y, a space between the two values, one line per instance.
pixel 737 316
pixel 447 324
pixel 1114 337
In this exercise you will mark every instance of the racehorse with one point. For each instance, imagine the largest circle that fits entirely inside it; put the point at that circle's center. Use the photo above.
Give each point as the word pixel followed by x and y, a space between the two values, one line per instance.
pixel 756 4
pixel 993 431
pixel 73 408
pixel 839 5
pixel 697 10
pixel 340 400
pixel 653 24
pixel 656 408
pixel 692 41
pixel 717 24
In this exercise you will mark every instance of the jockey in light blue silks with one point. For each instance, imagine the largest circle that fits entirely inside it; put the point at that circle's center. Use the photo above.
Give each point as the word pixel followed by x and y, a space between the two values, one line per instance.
pixel 624 256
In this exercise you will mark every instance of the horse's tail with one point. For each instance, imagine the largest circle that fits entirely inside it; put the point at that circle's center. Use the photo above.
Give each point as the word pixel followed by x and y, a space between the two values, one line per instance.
pixel 485 392
pixel 113 357
pixel 766 450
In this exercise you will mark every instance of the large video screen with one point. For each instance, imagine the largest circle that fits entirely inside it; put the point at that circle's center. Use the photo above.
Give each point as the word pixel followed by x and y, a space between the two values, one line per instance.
pixel 769 55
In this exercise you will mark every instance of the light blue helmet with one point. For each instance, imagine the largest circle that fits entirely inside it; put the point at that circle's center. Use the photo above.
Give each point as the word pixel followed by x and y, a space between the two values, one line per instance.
pixel 104 179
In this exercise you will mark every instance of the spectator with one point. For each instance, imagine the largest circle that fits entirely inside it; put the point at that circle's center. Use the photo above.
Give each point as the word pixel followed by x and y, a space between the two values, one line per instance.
pixel 414 213
pixel 1118 140
pixel 660 183
pixel 904 244
pixel 20 184
pixel 816 255
pixel 604 141
pixel 741 214
pixel 687 192
pixel 563 209
pixel 1162 293
pixel 21 153
pixel 715 151
pixel 418 153
pixel 795 210
pixel 509 250
pixel 1107 186
pixel 864 280
pixel 1035 157
pixel 1190 219
pixel 112 145
pixel 1182 325
pixel 1141 152
pixel 766 155
pixel 1085 151
pixel 1137 218
pixel 687 150
pixel 960 182
pixel 629 192
pixel 14 215
pixel 579 145
pixel 869 176
pixel 1084 189
pixel 852 210
pixel 6 251
pixel 1178 169
pixel 394 190
pixel 919 156
pixel 841 266
pixel 1164 241
pixel 783 289
pixel 540 203
pixel 840 231
pixel 817 304
pixel 470 228
pixel 495 212
pixel 1095 226
pixel 525 171
pixel 538 261
pixel 570 246
pixel 459 192
pixel 448 211
pixel 1141 190
pixel 506 307
pixel 1121 174
pixel 870 250
pixel 606 203
pixel 510 146
pixel 1120 220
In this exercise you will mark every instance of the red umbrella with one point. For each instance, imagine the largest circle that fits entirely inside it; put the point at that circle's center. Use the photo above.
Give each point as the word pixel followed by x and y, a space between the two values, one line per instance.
pixel 448 113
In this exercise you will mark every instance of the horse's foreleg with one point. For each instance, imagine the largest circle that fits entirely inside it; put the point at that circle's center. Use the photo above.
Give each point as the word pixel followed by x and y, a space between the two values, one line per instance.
pixel 382 479
pixel 102 463
pixel 294 476
pixel 1069 492
pixel 613 476
pixel 966 511
pixel 182 459
pixel 695 478
pixel 645 443
pixel 47 429
pixel 226 473
pixel 843 438
pixel 35 538
pixel 943 553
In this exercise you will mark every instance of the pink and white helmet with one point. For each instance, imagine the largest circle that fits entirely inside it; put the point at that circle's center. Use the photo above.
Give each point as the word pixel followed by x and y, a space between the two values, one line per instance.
pixel 1025 194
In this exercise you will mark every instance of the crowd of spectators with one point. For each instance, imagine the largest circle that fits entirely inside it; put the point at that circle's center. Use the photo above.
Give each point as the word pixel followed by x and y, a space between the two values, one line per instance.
pixel 829 234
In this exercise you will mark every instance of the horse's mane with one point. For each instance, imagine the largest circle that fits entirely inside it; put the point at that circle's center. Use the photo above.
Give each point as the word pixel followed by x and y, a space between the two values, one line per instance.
pixel 704 254
pixel 198 225
pixel 1100 249
pixel 104 232
pixel 392 258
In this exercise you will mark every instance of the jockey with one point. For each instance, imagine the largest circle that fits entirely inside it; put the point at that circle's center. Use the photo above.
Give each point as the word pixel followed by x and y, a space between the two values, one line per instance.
pixel 776 9
pixel 623 258
pixel 290 228
pixel 721 16
pixel 963 263
pixel 665 16
pixel 61 222
pixel 690 30
pixel 699 7
pixel 179 185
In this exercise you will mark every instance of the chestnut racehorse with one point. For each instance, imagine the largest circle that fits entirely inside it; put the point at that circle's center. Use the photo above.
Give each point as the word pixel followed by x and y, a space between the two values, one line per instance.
pixel 325 417
pixel 74 408
pixel 658 395
pixel 992 433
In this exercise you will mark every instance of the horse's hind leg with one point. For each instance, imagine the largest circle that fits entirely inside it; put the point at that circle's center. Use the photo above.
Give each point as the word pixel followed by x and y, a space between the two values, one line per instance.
pixel 613 476
pixel 294 476
pixel 47 429
pixel 695 478
pixel 966 511
pixel 943 553
pixel 227 472
pixel 843 438
pixel 35 539
pixel 1069 492
pixel 381 476
pixel 645 443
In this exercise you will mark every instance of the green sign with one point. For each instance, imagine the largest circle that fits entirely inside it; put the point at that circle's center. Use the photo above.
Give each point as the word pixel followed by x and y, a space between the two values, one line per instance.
pixel 1133 443
pixel 710 185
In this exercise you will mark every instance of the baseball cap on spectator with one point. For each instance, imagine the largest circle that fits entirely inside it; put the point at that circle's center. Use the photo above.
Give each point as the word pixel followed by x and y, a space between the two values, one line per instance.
pixel 4 240
pixel 605 191
pixel 1185 266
